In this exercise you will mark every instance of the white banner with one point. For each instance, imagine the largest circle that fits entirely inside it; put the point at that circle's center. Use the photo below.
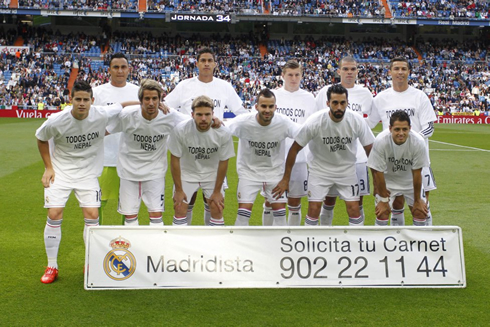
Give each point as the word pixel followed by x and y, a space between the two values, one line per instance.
pixel 119 257
pixel 13 49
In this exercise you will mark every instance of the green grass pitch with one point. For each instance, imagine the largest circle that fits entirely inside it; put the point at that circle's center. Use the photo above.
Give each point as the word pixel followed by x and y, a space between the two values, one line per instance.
pixel 460 157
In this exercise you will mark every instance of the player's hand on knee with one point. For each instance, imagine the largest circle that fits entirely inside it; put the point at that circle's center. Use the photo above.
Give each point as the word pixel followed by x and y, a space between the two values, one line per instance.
pixel 382 209
pixel 420 207
pixel 179 199
pixel 280 188
pixel 48 177
pixel 217 200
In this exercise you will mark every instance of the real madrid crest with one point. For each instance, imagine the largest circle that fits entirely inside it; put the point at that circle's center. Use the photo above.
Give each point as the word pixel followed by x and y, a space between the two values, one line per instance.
pixel 119 263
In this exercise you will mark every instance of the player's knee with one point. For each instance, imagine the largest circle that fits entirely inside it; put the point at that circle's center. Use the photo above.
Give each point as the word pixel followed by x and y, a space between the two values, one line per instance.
pixel 330 200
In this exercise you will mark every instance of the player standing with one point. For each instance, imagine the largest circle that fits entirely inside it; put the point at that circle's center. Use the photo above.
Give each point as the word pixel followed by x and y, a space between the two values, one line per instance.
pixel 142 161
pixel 298 105
pixel 360 102
pixel 221 92
pixel 117 90
pixel 261 153
pixel 332 138
pixel 417 105
pixel 71 145
pixel 397 158
pixel 200 160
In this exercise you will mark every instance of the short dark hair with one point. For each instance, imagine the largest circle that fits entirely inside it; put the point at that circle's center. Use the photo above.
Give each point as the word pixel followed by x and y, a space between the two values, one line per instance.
pixel 292 64
pixel 205 50
pixel 337 89
pixel 81 86
pixel 399 115
pixel 118 55
pixel 400 59
pixel 347 59
pixel 202 101
pixel 266 93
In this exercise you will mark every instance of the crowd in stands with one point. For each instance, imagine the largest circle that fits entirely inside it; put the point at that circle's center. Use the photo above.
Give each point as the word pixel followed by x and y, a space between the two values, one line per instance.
pixel 455 75
pixel 122 5
pixel 448 9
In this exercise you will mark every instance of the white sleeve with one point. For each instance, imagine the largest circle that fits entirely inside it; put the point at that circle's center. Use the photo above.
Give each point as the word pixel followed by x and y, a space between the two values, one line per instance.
pixel 373 118
pixel 115 125
pixel 427 117
pixel 174 145
pixel 376 159
pixel 366 137
pixel 173 99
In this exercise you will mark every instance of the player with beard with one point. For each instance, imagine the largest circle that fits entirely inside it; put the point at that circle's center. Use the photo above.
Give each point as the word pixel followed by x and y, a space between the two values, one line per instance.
pixel 261 153
pixel 360 102
pixel 199 160
pixel 220 91
pixel 332 139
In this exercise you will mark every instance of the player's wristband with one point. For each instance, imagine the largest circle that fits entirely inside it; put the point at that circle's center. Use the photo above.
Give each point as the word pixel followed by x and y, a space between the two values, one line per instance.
pixel 381 199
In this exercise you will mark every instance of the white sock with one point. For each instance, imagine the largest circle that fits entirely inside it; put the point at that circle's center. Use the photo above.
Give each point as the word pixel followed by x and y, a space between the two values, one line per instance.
pixel 243 217
pixel 361 209
pixel 131 221
pixel 267 218
pixel 398 217
pixel 216 221
pixel 89 223
pixel 207 214
pixel 356 221
pixel 189 214
pixel 52 239
pixel 179 221
pixel 310 221
pixel 326 215
pixel 279 217
pixel 294 216
pixel 156 221
pixel 428 221
pixel 419 222
pixel 379 222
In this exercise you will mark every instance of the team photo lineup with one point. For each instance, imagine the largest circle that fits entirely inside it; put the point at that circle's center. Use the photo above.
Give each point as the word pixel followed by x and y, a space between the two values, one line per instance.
pixel 112 144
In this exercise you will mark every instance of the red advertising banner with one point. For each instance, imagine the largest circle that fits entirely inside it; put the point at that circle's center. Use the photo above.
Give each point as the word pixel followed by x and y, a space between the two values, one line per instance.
pixel 463 119
pixel 20 113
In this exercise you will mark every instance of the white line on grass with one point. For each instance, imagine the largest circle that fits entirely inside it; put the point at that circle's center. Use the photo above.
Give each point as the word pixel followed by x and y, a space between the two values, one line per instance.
pixel 461 146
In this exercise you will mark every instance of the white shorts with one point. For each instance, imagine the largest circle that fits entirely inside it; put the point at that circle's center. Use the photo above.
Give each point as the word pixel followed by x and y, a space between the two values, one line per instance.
pixel 428 181
pixel 347 187
pixel 86 191
pixel 298 184
pixel 131 193
pixel 207 188
pixel 362 179
pixel 247 191
pixel 407 194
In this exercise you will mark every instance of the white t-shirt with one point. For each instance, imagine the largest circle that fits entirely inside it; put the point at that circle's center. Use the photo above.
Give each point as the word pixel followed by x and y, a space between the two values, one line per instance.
pixel 413 101
pixel 222 93
pixel 76 146
pixel 200 152
pixel 261 149
pixel 360 101
pixel 398 161
pixel 143 146
pixel 298 106
pixel 107 94
pixel 333 146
